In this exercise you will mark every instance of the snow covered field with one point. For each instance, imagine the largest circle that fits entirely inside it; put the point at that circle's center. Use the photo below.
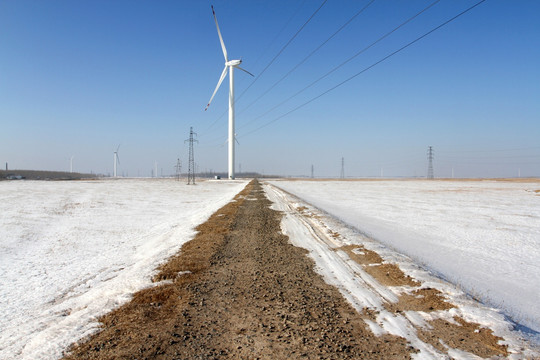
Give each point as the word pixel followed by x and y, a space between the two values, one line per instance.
pixel 71 251
pixel 483 236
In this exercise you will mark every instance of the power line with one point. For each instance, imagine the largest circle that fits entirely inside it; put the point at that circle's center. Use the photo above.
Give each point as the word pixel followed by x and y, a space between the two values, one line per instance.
pixel 367 68
pixel 491 157
pixel 271 61
pixel 493 162
pixel 489 151
pixel 311 53
pixel 347 61
pixel 279 33
pixel 282 49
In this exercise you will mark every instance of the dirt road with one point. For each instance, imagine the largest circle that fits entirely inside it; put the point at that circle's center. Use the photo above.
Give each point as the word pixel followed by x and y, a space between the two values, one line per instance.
pixel 240 290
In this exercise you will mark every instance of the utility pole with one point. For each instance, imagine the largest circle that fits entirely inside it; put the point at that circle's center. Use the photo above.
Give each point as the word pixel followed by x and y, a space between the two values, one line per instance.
pixel 430 163
pixel 191 161
pixel 342 174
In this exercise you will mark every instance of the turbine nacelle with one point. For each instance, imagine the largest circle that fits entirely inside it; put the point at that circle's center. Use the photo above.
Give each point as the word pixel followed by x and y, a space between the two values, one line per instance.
pixel 233 62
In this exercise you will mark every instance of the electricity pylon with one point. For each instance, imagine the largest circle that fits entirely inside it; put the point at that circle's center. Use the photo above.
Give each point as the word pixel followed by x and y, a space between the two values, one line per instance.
pixel 191 161
pixel 178 168
pixel 430 163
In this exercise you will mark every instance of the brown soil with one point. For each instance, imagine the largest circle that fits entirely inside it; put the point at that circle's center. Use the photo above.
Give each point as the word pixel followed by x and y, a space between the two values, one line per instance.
pixel 385 273
pixel 362 255
pixel 390 275
pixel 249 294
pixel 463 335
pixel 425 300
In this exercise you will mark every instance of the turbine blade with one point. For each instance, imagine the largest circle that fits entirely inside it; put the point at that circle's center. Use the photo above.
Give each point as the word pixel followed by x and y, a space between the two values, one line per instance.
pixel 235 139
pixel 118 148
pixel 220 37
pixel 223 74
pixel 244 70
pixel 117 159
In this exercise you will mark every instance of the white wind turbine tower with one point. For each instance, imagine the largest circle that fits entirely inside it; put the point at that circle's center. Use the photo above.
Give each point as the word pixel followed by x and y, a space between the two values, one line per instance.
pixel 229 66
pixel 116 160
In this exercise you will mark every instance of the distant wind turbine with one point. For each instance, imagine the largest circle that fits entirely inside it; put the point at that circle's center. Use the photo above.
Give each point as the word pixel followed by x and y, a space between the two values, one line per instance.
pixel 71 164
pixel 229 66
pixel 116 160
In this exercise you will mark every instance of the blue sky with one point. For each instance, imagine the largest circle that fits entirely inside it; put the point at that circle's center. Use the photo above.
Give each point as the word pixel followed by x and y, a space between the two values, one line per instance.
pixel 78 78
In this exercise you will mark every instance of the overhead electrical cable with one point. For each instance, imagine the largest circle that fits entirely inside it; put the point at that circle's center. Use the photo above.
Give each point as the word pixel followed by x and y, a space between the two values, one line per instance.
pixel 310 54
pixel 282 49
pixel 344 62
pixel 367 68
pixel 214 123
pixel 481 162
pixel 491 157
pixel 278 34
pixel 258 59
pixel 488 151
pixel 271 61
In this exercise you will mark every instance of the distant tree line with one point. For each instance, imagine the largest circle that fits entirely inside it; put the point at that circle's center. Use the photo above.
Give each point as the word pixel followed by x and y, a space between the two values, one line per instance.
pixel 43 175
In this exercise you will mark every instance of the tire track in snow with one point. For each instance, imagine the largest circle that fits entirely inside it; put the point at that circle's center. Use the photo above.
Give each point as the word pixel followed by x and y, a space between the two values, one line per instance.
pixel 307 227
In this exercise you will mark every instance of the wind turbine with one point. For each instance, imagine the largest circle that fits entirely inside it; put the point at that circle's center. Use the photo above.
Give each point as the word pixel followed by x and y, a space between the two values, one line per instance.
pixel 230 65
pixel 116 160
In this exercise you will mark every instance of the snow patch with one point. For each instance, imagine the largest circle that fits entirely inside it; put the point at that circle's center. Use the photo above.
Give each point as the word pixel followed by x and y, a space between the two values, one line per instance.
pixel 72 251
pixel 482 236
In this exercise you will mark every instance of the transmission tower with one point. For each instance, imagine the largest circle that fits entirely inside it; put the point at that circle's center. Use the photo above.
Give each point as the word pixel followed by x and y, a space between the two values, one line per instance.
pixel 430 163
pixel 342 174
pixel 191 161
pixel 178 168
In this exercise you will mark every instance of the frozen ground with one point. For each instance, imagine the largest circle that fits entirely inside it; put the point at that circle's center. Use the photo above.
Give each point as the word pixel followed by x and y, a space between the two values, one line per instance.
pixel 71 251
pixel 325 237
pixel 483 236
